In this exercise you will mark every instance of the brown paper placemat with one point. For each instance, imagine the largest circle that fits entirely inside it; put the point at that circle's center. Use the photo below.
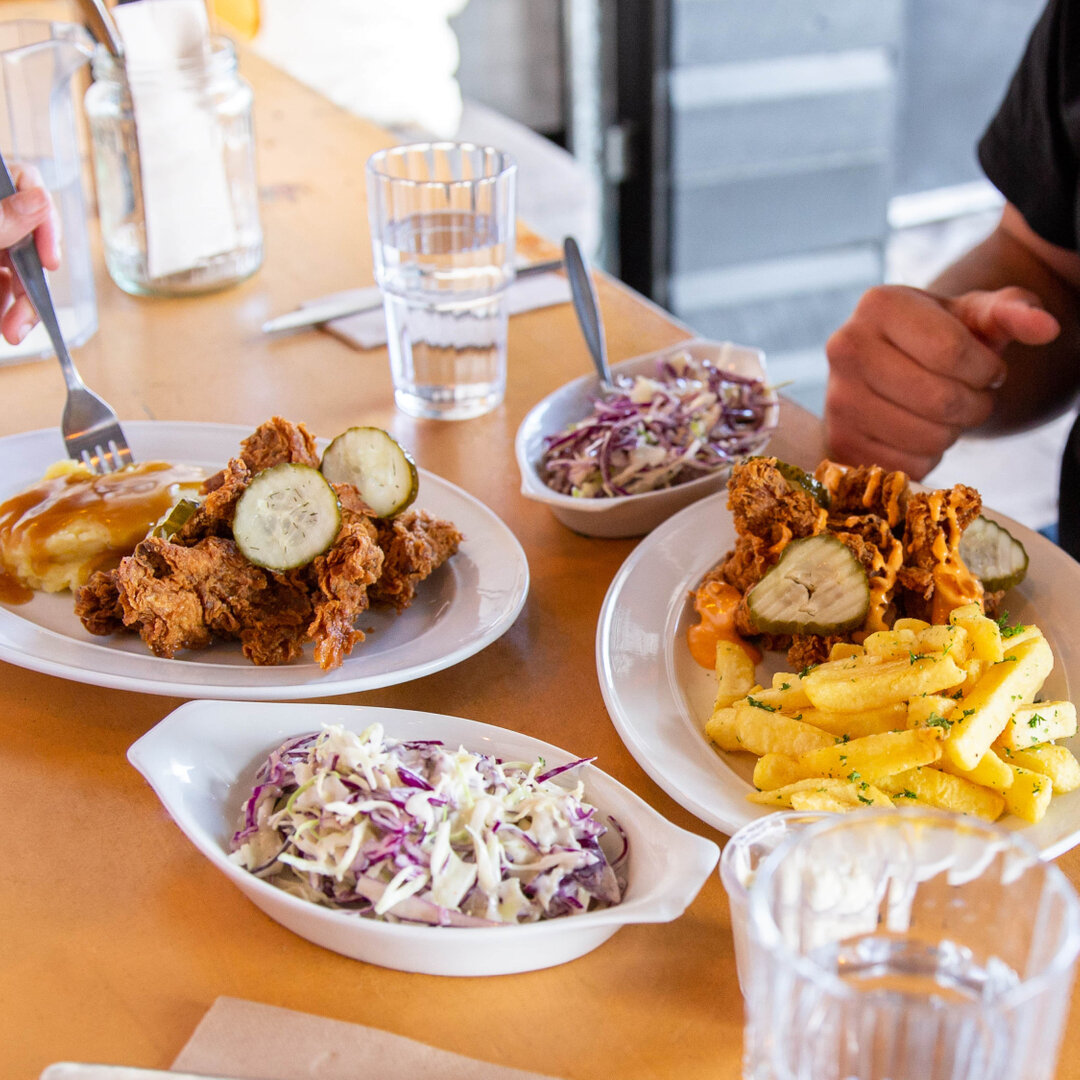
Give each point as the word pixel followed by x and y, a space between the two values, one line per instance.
pixel 244 1039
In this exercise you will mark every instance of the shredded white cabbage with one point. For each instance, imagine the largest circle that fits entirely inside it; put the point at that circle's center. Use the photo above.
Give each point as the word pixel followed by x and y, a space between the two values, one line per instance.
pixel 413 831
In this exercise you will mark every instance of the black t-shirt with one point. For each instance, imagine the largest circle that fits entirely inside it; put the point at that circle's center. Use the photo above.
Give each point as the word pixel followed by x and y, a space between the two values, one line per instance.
pixel 1031 154
pixel 1031 150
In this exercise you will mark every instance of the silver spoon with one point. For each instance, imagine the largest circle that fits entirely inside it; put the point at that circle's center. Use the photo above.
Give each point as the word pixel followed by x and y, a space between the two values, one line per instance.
pixel 587 308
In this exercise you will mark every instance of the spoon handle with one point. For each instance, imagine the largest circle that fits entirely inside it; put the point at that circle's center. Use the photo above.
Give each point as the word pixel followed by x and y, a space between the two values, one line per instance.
pixel 586 306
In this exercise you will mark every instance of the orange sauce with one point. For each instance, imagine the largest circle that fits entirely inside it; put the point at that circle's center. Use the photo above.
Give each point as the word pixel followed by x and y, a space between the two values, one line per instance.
pixel 954 584
pixel 715 603
pixel 882 582
pixel 125 503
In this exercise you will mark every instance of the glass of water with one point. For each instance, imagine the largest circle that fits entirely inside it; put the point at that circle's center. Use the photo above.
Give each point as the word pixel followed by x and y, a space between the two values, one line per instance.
pixel 908 945
pixel 443 234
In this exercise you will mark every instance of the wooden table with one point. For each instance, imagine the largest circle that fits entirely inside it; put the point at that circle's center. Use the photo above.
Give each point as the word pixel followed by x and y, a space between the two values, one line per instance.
pixel 115 934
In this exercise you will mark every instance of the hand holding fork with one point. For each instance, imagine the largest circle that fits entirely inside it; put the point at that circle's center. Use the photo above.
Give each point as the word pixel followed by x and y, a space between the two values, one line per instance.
pixel 90 427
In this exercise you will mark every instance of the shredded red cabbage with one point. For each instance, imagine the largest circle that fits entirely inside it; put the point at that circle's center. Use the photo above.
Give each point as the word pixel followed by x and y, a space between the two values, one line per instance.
pixel 414 832
pixel 693 418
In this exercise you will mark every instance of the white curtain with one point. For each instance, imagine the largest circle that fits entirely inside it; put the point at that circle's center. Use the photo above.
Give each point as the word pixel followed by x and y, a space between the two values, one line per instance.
pixel 392 62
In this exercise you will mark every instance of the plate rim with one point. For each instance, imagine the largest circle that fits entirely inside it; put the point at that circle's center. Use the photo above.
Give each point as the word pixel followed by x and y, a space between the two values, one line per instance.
pixel 1051 837
pixel 313 683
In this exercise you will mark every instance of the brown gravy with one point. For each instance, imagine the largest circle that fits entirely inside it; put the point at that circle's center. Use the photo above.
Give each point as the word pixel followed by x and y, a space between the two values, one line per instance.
pixel 126 503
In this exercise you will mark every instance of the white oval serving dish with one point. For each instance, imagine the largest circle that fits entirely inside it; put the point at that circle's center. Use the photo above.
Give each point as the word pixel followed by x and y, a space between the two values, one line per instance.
pixel 627 515
pixel 201 761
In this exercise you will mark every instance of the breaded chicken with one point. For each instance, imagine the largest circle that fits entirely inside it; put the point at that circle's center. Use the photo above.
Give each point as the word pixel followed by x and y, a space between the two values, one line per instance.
pixel 865 489
pixel 415 544
pixel 196 587
pixel 769 512
pixel 901 538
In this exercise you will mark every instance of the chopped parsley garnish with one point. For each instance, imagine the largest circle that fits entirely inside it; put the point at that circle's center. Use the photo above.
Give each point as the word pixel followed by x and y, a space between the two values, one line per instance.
pixel 1006 630
pixel 760 704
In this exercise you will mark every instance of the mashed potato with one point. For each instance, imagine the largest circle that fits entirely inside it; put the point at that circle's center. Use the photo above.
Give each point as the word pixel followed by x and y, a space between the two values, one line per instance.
pixel 56 533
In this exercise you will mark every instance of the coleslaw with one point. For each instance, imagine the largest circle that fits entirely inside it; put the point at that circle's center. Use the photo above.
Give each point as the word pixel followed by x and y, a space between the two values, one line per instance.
pixel 412 831
pixel 691 419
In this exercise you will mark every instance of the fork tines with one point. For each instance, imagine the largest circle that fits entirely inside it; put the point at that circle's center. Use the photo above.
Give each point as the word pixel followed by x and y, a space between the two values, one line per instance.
pixel 107 457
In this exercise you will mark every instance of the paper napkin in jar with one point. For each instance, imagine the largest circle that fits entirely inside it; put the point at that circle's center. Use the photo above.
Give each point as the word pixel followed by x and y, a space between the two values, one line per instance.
pixel 187 207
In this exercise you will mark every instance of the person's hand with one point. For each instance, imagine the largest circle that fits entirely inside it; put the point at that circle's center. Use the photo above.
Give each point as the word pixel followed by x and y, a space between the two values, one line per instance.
pixel 29 210
pixel 909 372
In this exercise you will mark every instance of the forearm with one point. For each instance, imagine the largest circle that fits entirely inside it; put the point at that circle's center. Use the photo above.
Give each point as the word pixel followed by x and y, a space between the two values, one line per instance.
pixel 1043 381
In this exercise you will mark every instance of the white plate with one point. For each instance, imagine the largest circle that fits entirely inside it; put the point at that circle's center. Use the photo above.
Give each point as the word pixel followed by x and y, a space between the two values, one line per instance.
pixel 463 607
pixel 659 698
pixel 201 761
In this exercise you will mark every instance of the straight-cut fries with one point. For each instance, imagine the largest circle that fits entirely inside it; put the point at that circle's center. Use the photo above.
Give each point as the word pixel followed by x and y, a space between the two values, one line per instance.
pixel 927 715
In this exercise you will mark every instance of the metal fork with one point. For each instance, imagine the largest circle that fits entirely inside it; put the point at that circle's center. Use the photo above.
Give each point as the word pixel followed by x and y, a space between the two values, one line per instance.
pixel 91 431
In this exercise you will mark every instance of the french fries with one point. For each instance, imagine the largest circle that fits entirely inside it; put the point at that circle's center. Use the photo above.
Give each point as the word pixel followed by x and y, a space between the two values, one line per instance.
pixel 934 715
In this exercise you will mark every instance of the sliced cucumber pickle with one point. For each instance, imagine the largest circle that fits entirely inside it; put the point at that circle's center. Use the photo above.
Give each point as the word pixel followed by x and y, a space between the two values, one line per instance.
pixel 376 465
pixel 286 516
pixel 172 522
pixel 817 587
pixel 993 555
pixel 796 477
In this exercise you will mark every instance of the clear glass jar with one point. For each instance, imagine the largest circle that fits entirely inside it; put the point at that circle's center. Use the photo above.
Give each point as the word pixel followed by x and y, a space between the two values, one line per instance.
pixel 174 160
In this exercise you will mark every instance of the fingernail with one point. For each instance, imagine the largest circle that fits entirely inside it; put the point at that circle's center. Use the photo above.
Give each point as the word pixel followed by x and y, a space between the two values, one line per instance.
pixel 31 201
pixel 22 331
pixel 998 381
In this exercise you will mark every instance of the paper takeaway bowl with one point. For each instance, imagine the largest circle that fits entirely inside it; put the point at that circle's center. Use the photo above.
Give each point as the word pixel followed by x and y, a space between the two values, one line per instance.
pixel 629 515
pixel 201 762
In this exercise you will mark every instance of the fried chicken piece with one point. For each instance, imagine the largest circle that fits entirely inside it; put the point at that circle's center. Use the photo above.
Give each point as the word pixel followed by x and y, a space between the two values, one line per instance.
pixel 97 603
pixel 339 582
pixel 806 650
pixel 277 441
pixel 275 627
pixel 215 512
pixel 764 503
pixel 415 544
pixel 932 514
pixel 272 443
pixel 865 489
pixel 768 512
pixel 176 596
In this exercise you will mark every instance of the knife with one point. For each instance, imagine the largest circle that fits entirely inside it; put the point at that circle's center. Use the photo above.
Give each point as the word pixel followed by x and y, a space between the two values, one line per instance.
pixel 323 311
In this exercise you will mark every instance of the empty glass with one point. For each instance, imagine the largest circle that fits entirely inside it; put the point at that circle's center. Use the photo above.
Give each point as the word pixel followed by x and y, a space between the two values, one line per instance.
pixel 908 945
pixel 443 233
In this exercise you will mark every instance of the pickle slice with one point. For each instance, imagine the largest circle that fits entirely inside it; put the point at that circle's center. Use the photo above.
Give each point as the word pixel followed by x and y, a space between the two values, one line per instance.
pixel 796 477
pixel 175 519
pixel 817 587
pixel 993 555
pixel 286 516
pixel 376 465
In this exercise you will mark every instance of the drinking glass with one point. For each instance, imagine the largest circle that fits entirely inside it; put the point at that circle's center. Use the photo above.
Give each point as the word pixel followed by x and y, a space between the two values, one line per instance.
pixel 743 854
pixel 908 945
pixel 443 233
